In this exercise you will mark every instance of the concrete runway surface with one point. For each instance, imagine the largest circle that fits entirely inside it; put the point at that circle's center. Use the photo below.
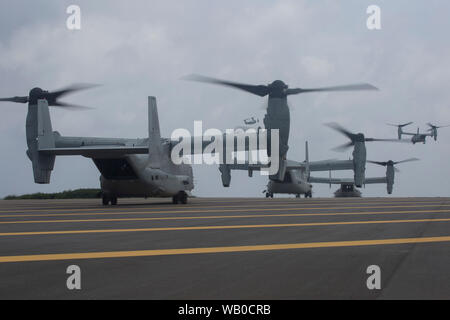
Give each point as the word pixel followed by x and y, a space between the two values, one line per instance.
pixel 226 248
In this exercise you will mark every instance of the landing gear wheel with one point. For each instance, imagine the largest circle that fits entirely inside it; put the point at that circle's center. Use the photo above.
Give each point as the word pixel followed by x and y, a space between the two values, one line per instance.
pixel 105 200
pixel 298 195
pixel 114 201
pixel 183 197
pixel 180 197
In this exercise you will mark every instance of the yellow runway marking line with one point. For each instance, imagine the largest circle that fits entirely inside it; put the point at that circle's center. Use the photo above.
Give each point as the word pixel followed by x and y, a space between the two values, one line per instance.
pixel 230 249
pixel 250 209
pixel 282 204
pixel 138 201
pixel 225 217
pixel 251 226
pixel 337 200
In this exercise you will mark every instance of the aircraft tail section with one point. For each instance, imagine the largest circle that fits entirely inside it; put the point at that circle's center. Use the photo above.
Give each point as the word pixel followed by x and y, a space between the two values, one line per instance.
pixel 154 135
pixel 307 172
pixel 40 136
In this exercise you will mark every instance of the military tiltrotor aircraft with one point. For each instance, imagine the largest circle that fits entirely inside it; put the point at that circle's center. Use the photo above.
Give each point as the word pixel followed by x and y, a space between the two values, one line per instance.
pixel 418 136
pixel 277 116
pixel 390 170
pixel 358 141
pixel 348 186
pixel 128 167
pixel 297 179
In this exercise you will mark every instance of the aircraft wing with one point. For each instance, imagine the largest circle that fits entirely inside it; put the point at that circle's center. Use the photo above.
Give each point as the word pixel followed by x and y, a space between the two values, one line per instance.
pixel 346 180
pixel 246 166
pixel 375 180
pixel 331 180
pixel 327 165
pixel 97 151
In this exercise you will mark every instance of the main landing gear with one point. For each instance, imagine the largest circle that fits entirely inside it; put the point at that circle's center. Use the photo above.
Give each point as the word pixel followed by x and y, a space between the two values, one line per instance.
pixel 269 195
pixel 109 199
pixel 307 195
pixel 180 197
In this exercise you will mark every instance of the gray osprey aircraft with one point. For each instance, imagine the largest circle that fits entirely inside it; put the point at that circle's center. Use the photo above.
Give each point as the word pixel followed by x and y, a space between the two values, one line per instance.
pixel 390 170
pixel 417 136
pixel 358 141
pixel 128 167
pixel 278 116
pixel 348 187
pixel 296 180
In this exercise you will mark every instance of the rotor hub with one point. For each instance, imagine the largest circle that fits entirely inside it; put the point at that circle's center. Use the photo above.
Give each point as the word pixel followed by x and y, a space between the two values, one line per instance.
pixel 278 89
pixel 37 94
pixel 360 137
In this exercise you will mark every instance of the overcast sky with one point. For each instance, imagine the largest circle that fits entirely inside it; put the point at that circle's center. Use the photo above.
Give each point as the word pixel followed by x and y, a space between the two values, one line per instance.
pixel 141 48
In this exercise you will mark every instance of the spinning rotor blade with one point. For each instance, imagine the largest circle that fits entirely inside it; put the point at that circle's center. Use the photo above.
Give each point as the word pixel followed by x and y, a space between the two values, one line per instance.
pixel 407 160
pixel 260 90
pixel 70 106
pixel 339 128
pixel 277 87
pixel 51 97
pixel 72 88
pixel 388 140
pixel 343 147
pixel 350 87
pixel 16 99
pixel 400 125
pixel 380 163
pixel 355 137
pixel 346 133
pixel 436 127
pixel 392 163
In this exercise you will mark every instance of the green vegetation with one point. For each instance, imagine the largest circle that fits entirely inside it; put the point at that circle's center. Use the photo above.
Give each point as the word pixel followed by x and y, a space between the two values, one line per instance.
pixel 68 194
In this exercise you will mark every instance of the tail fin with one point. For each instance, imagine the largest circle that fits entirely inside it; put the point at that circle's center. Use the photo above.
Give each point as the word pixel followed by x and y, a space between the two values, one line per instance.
pixel 44 124
pixel 307 172
pixel 154 135
pixel 40 136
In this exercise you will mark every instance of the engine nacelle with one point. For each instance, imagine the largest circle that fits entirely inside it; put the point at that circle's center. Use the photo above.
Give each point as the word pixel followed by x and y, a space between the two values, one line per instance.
pixel 359 163
pixel 225 174
pixel 40 136
pixel 390 175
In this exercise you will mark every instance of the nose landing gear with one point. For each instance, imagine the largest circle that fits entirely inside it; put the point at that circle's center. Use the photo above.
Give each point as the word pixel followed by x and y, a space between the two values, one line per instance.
pixel 109 199
pixel 180 197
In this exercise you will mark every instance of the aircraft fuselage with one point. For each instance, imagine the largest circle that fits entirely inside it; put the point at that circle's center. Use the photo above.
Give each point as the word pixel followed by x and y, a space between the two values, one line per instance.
pixel 293 183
